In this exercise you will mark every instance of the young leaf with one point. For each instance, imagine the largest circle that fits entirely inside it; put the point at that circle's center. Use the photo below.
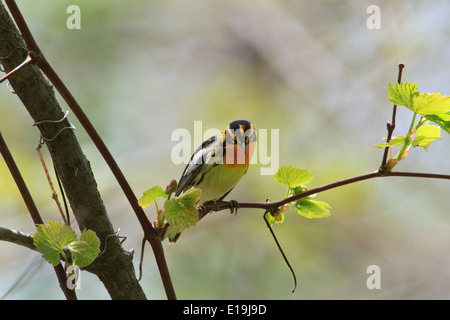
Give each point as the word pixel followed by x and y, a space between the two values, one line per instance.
pixel 179 215
pixel 171 187
pixel 159 218
pixel 402 94
pixel 172 233
pixel 293 177
pixel 86 250
pixel 312 208
pixel 151 195
pixel 431 103
pixel 51 238
pixel 393 142
pixel 277 217
pixel 190 197
pixel 78 248
pixel 443 120
pixel 426 135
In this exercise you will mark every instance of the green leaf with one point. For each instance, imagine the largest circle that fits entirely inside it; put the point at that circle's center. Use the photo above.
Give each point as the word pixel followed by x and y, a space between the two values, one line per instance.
pixel 171 233
pixel 78 248
pixel 190 197
pixel 180 215
pixel 277 217
pixel 402 94
pixel 86 250
pixel 426 135
pixel 312 208
pixel 298 190
pixel 51 238
pixel 443 120
pixel 396 141
pixel 406 94
pixel 151 195
pixel 293 177
pixel 431 103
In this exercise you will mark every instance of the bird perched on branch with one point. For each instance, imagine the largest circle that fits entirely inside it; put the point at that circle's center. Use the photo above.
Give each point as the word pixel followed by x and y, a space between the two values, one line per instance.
pixel 219 163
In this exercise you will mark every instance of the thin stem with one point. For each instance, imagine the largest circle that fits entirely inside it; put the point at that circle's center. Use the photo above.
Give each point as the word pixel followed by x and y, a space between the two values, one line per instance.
pixel 412 123
pixel 6 76
pixel 54 194
pixel 408 140
pixel 281 250
pixel 420 175
pixel 391 125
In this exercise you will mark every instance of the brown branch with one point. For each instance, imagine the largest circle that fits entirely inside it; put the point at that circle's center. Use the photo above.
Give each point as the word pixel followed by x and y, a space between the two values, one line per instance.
pixel 17 237
pixel 272 206
pixel 391 125
pixel 420 175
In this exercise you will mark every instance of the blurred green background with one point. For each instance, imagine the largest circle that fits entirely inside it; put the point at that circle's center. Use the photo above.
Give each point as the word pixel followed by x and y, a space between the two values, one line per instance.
pixel 311 69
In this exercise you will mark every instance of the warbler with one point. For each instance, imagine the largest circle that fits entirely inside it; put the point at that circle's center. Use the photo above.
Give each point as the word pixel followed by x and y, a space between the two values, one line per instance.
pixel 219 164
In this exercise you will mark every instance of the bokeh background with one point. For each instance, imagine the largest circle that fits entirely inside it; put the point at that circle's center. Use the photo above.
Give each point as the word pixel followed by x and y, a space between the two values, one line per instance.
pixel 311 69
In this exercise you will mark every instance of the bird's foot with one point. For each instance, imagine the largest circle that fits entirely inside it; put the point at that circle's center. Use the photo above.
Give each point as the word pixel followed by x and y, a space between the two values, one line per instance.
pixel 234 206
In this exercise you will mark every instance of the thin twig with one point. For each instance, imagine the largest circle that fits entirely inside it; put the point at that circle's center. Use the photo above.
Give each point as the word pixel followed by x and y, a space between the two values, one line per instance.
pixel 6 76
pixel 391 125
pixel 420 175
pixel 54 194
pixel 141 259
pixel 281 250
pixel 225 205
pixel 61 189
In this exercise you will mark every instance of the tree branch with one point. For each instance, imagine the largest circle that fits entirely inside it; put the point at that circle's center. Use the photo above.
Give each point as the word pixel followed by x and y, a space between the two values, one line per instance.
pixel 272 206
pixel 17 237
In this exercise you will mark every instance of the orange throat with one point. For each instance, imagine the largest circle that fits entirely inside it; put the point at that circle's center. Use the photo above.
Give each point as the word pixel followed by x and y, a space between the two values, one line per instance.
pixel 235 156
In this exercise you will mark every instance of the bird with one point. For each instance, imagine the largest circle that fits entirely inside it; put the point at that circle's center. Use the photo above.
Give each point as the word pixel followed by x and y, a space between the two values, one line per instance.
pixel 218 164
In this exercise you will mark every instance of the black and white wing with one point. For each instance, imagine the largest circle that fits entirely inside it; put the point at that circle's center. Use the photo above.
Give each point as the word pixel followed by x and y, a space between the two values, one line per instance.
pixel 196 164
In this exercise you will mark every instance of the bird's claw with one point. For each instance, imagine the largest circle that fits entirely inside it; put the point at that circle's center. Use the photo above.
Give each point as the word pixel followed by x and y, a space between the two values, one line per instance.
pixel 234 206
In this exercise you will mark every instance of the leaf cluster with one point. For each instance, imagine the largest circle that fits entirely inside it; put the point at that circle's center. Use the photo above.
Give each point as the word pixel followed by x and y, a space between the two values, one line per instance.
pixel 429 108
pixel 180 212
pixel 296 179
pixel 52 238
